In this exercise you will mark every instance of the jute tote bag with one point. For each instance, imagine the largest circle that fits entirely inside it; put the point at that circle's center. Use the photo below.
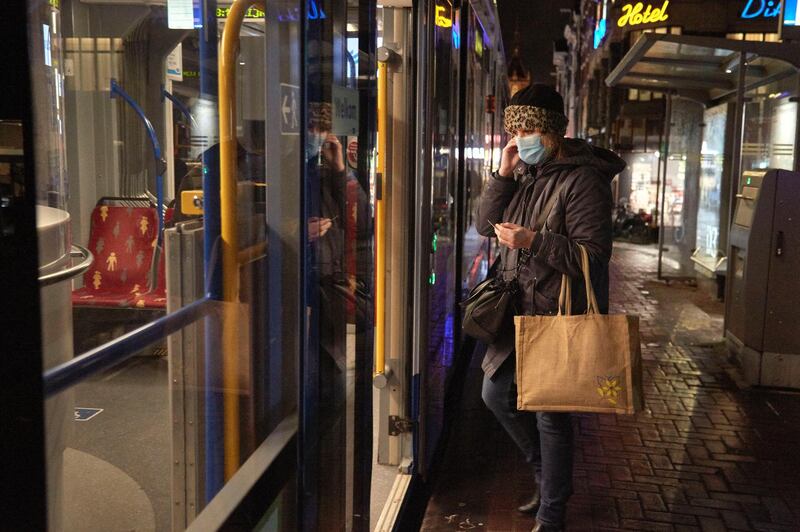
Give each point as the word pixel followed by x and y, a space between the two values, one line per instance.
pixel 579 363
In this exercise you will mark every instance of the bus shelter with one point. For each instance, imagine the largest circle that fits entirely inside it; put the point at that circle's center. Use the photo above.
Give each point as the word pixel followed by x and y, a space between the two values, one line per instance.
pixel 730 106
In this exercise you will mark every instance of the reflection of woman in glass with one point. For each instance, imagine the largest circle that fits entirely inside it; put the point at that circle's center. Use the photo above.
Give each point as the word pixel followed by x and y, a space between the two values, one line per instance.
pixel 338 215
pixel 326 186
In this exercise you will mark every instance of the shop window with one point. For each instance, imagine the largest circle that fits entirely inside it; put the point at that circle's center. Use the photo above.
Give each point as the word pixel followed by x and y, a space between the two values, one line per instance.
pixel 633 94
pixel 754 37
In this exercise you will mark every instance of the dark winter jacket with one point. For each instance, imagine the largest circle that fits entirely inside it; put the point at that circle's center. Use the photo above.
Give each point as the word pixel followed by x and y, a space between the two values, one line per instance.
pixel 580 215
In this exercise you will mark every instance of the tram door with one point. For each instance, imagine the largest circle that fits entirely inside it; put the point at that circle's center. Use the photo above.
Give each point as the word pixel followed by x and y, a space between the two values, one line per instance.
pixel 437 287
pixel 186 186
pixel 394 217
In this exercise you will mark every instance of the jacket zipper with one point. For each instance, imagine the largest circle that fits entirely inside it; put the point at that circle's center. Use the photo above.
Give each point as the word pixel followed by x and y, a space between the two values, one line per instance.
pixel 533 296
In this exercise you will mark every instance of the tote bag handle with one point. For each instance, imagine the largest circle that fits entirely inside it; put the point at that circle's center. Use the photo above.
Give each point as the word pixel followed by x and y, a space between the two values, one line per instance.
pixel 565 297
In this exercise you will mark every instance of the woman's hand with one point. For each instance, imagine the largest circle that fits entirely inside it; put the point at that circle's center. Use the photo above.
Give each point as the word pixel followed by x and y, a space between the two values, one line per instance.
pixel 514 236
pixel 509 159
pixel 317 227
pixel 333 153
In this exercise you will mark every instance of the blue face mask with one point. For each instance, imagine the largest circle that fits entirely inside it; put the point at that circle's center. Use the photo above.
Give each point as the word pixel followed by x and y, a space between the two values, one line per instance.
pixel 531 150
pixel 314 142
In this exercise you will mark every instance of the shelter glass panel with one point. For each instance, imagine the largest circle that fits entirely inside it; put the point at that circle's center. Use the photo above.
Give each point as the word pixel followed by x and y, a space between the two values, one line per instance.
pixel 770 124
pixel 712 157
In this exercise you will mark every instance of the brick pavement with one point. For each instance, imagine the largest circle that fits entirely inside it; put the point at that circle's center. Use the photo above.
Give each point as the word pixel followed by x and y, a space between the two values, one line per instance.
pixel 704 455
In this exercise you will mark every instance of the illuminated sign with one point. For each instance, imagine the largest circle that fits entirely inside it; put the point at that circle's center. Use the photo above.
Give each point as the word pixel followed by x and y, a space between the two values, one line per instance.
pixel 790 26
pixel 791 14
pixel 599 32
pixel 636 14
pixel 48 56
pixel 761 8
pixel 442 20
pixel 184 14
pixel 478 43
pixel 313 12
pixel 253 12
pixel 601 25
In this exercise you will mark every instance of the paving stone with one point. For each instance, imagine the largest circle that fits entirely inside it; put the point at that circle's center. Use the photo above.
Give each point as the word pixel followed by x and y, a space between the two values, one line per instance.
pixel 735 520
pixel 710 524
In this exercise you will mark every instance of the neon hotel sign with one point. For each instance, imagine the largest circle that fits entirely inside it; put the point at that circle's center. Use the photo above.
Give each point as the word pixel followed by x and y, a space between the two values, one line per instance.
pixel 636 14
pixel 641 13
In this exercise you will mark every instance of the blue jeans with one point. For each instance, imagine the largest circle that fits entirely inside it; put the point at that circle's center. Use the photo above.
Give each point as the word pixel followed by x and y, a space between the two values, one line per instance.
pixel 545 438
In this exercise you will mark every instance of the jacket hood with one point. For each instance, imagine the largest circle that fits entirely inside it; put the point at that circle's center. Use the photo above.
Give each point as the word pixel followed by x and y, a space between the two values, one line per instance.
pixel 578 152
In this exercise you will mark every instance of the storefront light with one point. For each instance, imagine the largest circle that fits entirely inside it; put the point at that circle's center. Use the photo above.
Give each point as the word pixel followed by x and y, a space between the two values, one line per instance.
pixel 443 17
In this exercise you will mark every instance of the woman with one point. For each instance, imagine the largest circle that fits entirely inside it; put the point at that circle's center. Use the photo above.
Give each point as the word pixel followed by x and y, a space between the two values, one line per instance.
pixel 537 163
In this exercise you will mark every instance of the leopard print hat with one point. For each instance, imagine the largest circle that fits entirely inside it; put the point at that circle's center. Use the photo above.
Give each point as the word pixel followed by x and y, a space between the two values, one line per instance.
pixel 537 106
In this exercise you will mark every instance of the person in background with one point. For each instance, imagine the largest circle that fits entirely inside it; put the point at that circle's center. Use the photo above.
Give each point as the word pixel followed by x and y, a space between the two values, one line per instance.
pixel 536 163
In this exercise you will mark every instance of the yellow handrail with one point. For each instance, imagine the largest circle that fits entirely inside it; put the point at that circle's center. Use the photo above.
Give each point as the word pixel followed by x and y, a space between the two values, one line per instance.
pixel 380 221
pixel 230 232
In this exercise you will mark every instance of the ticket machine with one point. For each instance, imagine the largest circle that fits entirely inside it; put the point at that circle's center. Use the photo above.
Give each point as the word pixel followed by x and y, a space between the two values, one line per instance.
pixel 762 312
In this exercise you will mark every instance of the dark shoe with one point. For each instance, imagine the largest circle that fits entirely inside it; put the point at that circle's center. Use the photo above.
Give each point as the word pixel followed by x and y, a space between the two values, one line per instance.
pixel 541 527
pixel 532 506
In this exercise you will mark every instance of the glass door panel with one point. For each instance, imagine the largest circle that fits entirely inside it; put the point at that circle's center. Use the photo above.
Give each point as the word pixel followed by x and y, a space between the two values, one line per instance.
pixel 130 167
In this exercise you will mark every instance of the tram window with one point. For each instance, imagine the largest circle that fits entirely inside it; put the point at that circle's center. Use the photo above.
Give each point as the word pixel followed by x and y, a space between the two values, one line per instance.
pixel 130 157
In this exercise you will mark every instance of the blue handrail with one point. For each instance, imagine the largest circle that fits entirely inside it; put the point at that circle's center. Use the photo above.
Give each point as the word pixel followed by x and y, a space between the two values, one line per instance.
pixel 70 373
pixel 212 382
pixel 161 165
pixel 179 104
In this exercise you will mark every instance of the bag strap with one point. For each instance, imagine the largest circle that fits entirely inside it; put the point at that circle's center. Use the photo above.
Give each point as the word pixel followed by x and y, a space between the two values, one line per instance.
pixel 548 207
pixel 493 267
pixel 565 296
pixel 539 223
pixel 591 299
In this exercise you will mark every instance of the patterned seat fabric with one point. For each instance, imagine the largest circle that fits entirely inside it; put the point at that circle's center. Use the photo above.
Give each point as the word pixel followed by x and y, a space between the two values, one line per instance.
pixel 122 240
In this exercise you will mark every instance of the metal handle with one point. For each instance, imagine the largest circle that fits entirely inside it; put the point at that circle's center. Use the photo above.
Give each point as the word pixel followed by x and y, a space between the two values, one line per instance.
pixel 380 229
pixel 229 213
pixel 74 271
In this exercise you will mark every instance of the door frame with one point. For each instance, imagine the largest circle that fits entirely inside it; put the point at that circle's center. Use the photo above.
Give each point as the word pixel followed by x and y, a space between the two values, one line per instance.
pixel 24 491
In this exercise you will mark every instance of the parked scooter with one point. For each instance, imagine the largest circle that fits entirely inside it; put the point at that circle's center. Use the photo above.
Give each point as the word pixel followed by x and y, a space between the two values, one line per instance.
pixel 632 226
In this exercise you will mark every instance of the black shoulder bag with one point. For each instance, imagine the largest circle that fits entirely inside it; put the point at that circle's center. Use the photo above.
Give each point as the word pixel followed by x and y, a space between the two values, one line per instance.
pixel 487 306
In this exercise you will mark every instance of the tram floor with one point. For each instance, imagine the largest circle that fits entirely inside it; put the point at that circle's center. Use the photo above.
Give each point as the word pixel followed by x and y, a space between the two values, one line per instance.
pixel 115 462
pixel 707 453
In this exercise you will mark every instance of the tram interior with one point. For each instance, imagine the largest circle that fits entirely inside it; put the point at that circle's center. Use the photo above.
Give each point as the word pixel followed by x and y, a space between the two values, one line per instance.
pixel 140 113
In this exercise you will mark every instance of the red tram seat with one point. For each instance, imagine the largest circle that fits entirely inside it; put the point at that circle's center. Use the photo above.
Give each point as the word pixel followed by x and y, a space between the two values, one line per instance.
pixel 122 239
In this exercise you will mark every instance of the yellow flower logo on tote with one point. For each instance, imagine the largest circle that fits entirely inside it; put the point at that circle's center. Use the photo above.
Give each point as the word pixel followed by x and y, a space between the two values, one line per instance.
pixel 608 388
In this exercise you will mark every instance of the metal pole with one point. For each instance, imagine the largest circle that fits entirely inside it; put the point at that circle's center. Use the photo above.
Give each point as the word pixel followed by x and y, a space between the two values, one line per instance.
pixel 664 158
pixel 797 129
pixel 657 214
pixel 213 468
pixel 736 167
